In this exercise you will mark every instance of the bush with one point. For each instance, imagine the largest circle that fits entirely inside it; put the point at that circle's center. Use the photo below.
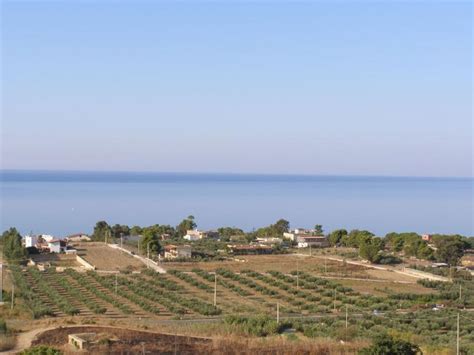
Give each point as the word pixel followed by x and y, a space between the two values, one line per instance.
pixel 3 326
pixel 386 345
pixel 260 326
pixel 41 350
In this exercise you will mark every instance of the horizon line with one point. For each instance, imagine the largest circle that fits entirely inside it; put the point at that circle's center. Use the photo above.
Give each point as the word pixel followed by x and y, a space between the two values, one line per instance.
pixel 202 173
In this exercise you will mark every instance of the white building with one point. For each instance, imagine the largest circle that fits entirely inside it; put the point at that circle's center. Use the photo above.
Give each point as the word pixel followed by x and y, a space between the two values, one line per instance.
pixel 47 237
pixel 54 246
pixel 312 241
pixel 269 240
pixel 30 241
pixel 194 234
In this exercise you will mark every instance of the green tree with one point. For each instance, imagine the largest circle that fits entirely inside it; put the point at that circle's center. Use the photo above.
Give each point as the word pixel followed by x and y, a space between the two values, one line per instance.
pixel 185 225
pixel 226 232
pixel 135 230
pixel 273 230
pixel 13 250
pixel 281 226
pixel 386 345
pixel 318 229
pixel 449 250
pixel 369 249
pixel 151 240
pixel 356 237
pixel 119 230
pixel 101 230
pixel 335 237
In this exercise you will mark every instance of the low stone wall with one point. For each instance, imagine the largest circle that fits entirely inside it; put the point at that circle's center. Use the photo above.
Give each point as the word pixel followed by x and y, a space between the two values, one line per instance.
pixel 148 262
pixel 85 263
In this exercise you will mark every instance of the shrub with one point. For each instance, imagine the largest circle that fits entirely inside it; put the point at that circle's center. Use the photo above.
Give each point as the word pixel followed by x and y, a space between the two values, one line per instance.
pixel 386 345
pixel 41 350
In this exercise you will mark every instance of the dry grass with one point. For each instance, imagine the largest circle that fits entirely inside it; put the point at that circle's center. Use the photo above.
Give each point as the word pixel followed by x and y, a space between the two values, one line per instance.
pixel 107 258
pixel 383 288
pixel 283 345
pixel 283 263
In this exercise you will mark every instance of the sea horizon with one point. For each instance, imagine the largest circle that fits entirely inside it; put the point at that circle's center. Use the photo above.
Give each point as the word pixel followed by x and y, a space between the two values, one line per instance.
pixel 53 174
pixel 64 202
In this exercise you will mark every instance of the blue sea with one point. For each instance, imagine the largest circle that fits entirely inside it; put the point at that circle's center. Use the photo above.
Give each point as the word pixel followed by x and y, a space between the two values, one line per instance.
pixel 63 203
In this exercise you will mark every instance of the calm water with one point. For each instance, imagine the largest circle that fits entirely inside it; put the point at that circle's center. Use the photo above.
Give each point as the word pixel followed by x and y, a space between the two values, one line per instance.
pixel 67 202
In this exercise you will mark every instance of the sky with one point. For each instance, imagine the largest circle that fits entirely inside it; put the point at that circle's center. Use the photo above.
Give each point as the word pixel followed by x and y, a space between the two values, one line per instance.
pixel 346 88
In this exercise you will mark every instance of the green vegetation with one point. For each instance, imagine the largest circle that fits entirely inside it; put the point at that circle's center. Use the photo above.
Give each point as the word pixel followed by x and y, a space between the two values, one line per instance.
pixel 25 290
pixel 274 230
pixel 257 326
pixel 101 231
pixel 384 344
pixel 13 250
pixel 41 350
pixel 185 225
pixel 3 326
pixel 52 293
pixel 85 282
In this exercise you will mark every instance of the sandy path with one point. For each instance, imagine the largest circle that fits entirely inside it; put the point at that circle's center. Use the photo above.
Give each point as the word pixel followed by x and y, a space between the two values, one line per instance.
pixel 24 340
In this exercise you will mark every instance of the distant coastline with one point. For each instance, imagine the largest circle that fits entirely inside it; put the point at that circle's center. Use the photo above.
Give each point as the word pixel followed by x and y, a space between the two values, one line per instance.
pixel 14 175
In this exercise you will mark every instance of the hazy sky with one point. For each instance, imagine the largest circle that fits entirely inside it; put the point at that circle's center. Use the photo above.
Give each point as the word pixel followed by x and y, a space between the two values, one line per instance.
pixel 312 88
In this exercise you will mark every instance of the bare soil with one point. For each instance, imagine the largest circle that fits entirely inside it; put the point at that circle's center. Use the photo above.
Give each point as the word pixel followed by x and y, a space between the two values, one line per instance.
pixel 116 340
pixel 106 258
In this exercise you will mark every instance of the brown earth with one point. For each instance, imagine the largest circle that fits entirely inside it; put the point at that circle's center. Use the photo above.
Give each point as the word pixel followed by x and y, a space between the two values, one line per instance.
pixel 116 340
pixel 106 258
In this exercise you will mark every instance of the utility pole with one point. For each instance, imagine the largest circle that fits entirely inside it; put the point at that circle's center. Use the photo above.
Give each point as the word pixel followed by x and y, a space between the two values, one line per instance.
pixel 278 313
pixel 1 283
pixel 121 240
pixel 460 291
pixel 297 275
pixel 346 317
pixel 13 295
pixel 148 254
pixel 215 289
pixel 457 337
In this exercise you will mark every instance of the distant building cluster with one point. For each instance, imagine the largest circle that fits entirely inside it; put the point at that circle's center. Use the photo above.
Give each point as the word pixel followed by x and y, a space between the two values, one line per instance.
pixel 305 238
pixel 194 235
pixel 46 243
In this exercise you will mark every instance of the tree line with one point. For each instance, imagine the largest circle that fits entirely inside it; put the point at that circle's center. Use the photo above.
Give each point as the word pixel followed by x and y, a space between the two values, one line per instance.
pixel 448 249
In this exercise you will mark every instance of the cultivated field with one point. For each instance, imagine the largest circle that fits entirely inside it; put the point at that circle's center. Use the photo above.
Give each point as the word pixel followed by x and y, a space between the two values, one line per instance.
pixel 313 292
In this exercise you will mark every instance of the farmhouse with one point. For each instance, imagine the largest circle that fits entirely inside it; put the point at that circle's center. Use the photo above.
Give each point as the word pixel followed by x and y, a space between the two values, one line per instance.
pixel 56 246
pixel 300 232
pixel 45 243
pixel 269 241
pixel 312 241
pixel 194 234
pixel 427 237
pixel 30 241
pixel 177 251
